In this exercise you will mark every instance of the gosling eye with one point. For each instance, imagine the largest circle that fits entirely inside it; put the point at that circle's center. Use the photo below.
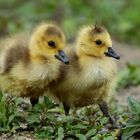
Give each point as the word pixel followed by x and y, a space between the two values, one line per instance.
pixel 51 44
pixel 98 42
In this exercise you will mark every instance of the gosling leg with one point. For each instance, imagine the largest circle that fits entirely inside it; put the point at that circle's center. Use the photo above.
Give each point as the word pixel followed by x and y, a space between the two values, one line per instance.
pixel 34 100
pixel 66 108
pixel 104 108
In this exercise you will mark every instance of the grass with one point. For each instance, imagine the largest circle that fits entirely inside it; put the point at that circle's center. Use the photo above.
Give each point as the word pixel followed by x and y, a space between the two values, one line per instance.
pixel 26 14
pixel 47 121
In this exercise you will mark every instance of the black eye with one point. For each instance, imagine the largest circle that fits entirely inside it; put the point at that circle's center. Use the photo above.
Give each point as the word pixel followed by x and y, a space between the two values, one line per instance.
pixel 98 42
pixel 51 44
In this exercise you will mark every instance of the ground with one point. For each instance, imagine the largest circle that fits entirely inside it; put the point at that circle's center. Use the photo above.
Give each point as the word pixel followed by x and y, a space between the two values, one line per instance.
pixel 128 54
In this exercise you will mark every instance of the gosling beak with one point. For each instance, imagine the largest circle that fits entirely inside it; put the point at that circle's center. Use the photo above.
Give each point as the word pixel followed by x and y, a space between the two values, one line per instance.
pixel 62 57
pixel 112 53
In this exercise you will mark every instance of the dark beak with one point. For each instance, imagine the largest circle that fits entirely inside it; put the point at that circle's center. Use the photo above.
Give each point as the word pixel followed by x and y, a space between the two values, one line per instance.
pixel 62 57
pixel 112 53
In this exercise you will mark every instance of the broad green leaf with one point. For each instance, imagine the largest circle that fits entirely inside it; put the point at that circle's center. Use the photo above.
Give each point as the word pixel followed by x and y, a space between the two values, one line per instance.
pixel 68 118
pixel 50 117
pixel 50 129
pixel 60 133
pixel 37 108
pixel 33 118
pixel 91 132
pixel 11 118
pixel 133 123
pixel 48 102
pixel 81 137
pixel 104 120
pixel 133 105
pixel 128 132
pixel 95 138
pixel 56 110
pixel 80 126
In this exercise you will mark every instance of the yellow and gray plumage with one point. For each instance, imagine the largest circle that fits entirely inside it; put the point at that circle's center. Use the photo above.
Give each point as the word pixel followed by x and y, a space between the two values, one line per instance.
pixel 29 62
pixel 90 77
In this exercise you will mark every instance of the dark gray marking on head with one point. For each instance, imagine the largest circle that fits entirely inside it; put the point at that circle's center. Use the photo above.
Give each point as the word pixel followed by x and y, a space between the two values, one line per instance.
pixel 53 31
pixel 97 30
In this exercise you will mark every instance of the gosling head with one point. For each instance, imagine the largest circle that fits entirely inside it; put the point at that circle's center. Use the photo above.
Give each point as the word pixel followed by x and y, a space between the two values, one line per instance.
pixel 48 41
pixel 95 41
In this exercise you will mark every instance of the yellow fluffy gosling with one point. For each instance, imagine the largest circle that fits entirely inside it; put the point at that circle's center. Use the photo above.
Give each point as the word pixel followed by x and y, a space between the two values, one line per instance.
pixel 90 77
pixel 29 62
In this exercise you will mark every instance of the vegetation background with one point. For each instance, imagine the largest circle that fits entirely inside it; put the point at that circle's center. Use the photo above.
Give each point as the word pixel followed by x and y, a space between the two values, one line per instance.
pixel 45 121
pixel 120 17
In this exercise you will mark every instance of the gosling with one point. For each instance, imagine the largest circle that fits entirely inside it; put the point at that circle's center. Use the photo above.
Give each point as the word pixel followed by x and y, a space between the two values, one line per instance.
pixel 29 62
pixel 90 77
